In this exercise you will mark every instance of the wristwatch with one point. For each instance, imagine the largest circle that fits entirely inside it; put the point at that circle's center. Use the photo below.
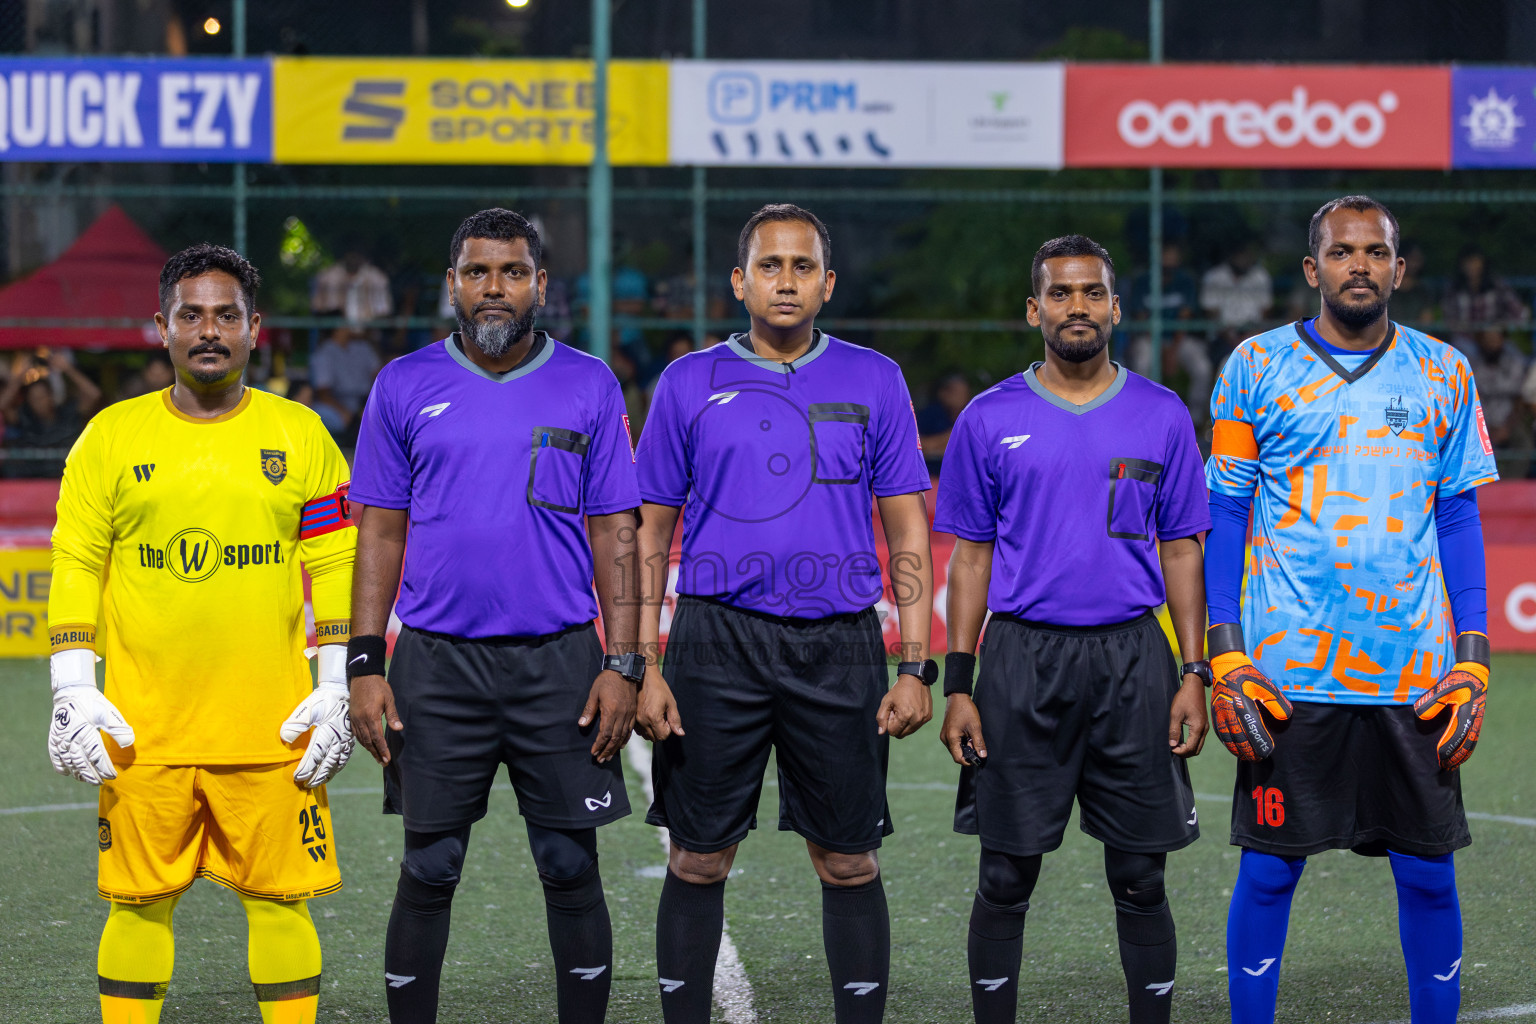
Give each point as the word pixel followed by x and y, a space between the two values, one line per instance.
pixel 1197 668
pixel 927 672
pixel 631 666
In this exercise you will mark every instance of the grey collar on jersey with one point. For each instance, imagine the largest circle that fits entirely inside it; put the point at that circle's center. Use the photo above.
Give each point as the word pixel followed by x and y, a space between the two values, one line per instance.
pixel 1061 403
pixel 738 344
pixel 538 355
pixel 1347 376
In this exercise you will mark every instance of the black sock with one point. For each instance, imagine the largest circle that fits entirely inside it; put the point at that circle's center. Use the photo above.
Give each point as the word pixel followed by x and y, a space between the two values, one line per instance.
pixel 581 939
pixel 1149 953
pixel 689 923
pixel 856 929
pixel 995 951
pixel 414 948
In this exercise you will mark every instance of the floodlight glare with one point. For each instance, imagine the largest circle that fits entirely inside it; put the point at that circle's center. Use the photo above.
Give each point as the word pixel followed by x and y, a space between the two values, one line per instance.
pixel 212 26
pixel 517 3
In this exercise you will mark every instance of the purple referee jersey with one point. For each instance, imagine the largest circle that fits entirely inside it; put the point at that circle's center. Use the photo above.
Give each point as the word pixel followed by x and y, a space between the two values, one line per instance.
pixel 1074 496
pixel 497 471
pixel 774 465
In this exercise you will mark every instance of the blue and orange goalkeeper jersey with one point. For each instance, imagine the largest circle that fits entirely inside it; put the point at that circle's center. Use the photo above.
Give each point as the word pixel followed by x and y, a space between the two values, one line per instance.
pixel 1345 457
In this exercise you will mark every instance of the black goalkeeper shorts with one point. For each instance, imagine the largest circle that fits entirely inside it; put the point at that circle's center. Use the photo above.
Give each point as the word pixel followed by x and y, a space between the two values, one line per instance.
pixel 471 706
pixel 1362 777
pixel 1080 713
pixel 807 689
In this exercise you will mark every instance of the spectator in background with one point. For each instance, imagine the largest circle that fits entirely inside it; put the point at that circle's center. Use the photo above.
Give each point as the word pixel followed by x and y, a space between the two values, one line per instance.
pixel 1500 370
pixel 157 375
pixel 1238 295
pixel 36 419
pixel 636 400
pixel 1528 393
pixel 1477 298
pixel 950 395
pixel 1181 349
pixel 341 372
pixel 1414 301
pixel 679 345
pixel 353 288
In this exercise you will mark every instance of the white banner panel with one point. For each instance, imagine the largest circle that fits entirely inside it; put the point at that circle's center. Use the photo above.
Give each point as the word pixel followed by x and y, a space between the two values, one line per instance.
pixel 851 114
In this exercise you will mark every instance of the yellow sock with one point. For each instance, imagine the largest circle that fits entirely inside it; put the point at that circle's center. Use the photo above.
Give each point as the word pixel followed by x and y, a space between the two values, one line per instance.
pixel 285 960
pixel 134 961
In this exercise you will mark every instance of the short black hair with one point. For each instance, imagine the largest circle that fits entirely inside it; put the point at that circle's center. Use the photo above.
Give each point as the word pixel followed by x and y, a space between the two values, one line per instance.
pixel 498 225
pixel 1067 245
pixel 783 212
pixel 1361 203
pixel 199 259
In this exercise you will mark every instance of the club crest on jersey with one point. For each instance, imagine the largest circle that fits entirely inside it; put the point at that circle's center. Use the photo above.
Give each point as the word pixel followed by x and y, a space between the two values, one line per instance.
pixel 1397 414
pixel 103 834
pixel 274 465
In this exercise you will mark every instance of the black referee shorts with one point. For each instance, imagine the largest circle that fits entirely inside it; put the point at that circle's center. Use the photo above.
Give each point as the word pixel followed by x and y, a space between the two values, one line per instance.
pixel 1362 777
pixel 471 706
pixel 1076 713
pixel 807 689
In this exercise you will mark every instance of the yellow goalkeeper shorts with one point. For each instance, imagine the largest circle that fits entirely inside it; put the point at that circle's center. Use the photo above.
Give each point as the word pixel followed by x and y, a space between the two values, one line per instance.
pixel 249 828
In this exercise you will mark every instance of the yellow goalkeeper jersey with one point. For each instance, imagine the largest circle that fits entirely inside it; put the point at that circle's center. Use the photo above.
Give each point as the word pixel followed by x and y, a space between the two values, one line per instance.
pixel 183 539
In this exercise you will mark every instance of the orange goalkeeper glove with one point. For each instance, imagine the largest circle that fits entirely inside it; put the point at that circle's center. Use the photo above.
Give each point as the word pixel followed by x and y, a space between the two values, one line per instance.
pixel 1463 691
pixel 1240 692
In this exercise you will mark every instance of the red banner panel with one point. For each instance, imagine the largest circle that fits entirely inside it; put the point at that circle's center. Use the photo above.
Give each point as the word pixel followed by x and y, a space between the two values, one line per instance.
pixel 1235 115
pixel 1512 597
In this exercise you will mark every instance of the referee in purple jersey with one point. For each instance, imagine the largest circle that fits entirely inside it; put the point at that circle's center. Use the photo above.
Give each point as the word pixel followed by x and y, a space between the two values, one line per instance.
pixel 774 445
pixel 1076 495
pixel 497 465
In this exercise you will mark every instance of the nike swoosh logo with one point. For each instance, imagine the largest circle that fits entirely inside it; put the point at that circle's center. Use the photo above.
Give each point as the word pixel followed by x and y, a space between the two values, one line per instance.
pixel 360 657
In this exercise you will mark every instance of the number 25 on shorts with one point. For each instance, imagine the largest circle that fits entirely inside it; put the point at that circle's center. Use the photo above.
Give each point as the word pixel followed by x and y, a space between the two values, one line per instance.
pixel 1269 806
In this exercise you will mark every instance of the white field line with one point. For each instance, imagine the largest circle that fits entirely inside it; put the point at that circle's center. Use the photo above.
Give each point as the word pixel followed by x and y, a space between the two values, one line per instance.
pixel 1496 1013
pixel 636 758
pixel 733 992
pixel 1503 819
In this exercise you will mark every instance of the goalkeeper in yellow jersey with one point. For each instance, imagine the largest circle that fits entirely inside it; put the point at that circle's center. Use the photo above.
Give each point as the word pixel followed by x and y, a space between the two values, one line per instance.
pixel 184 518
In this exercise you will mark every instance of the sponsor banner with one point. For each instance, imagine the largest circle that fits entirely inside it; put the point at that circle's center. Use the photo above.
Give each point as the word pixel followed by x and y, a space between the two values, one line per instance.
pixel 371 111
pixel 847 114
pixel 1493 117
pixel 169 111
pixel 25 574
pixel 1512 597
pixel 1237 115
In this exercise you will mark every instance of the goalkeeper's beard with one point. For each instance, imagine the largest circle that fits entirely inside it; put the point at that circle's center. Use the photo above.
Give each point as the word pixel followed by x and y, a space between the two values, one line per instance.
pixel 1359 315
pixel 494 337
pixel 1078 351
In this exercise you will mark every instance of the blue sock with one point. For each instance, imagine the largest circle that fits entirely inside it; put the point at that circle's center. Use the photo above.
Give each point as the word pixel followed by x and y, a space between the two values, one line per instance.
pixel 1429 921
pixel 1256 925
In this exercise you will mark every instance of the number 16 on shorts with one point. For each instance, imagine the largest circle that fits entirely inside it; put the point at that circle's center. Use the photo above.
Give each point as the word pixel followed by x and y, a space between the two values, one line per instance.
pixel 1269 806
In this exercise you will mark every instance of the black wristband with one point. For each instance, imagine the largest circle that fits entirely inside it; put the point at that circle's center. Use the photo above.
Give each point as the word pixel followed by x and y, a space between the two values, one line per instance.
pixel 1224 638
pixel 1473 647
pixel 365 656
pixel 959 673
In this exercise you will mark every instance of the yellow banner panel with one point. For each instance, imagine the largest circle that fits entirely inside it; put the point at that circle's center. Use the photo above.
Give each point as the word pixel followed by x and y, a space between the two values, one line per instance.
pixel 25 574
pixel 402 111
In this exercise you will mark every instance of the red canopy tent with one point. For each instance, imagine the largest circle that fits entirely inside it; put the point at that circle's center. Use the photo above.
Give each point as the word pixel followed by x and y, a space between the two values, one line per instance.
pixel 111 272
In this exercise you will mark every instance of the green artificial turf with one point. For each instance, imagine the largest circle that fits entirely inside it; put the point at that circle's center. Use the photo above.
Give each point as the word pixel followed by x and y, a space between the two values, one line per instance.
pixel 1342 962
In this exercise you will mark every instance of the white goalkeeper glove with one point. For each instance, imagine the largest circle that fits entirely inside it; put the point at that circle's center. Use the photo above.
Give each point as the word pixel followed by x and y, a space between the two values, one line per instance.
pixel 80 715
pixel 327 710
